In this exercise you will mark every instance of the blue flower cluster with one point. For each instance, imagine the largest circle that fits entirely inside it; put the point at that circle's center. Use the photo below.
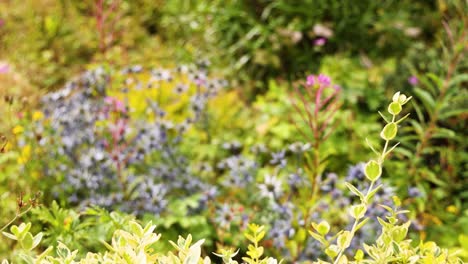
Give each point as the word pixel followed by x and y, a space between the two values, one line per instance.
pixel 115 160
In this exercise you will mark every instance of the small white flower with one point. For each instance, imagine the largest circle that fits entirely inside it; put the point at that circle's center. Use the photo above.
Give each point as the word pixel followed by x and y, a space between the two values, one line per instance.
pixel 271 187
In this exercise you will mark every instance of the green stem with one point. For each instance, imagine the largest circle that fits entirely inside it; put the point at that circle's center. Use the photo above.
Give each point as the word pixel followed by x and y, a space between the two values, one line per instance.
pixel 18 215
pixel 353 228
pixel 369 190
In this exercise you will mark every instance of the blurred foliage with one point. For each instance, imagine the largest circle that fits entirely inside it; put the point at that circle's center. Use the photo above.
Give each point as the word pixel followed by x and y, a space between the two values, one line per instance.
pixel 263 39
pixel 41 38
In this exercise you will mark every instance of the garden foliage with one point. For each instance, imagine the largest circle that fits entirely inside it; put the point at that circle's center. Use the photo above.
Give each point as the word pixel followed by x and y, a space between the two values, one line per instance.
pixel 136 245
pixel 148 154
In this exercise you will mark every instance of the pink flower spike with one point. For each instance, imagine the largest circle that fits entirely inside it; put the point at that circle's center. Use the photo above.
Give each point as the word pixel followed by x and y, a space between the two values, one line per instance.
pixel 320 42
pixel 324 80
pixel 118 129
pixel 310 80
pixel 413 80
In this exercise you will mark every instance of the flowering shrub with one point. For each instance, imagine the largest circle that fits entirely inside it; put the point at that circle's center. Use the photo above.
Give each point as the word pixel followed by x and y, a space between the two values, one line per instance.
pixel 136 244
pixel 108 146
pixel 124 146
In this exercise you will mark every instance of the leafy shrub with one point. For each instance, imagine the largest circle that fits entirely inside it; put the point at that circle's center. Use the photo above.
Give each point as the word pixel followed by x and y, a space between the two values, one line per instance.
pixel 271 38
pixel 43 37
pixel 434 144
pixel 137 244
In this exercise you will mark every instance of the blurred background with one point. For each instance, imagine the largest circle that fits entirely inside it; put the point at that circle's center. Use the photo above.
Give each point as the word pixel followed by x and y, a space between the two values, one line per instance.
pixel 371 49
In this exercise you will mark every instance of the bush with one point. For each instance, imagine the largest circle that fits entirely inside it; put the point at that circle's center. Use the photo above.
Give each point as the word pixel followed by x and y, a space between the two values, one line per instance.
pixel 137 245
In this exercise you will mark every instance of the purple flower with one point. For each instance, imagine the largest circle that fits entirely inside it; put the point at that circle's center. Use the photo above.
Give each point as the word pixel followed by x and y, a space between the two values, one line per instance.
pixel 414 192
pixel 320 41
pixel 413 80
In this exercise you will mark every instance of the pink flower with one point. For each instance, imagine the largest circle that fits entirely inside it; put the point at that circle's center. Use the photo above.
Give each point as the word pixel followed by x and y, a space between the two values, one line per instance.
pixel 324 80
pixel 320 41
pixel 109 100
pixel 120 106
pixel 310 80
pixel 413 80
pixel 4 67
pixel 117 105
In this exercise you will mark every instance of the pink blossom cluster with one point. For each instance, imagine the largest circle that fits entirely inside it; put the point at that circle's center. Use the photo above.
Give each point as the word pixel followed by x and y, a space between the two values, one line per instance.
pixel 320 42
pixel 119 125
pixel 321 80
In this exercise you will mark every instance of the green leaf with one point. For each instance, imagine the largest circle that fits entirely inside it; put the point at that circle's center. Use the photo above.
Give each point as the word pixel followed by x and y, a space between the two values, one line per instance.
pixel 15 231
pixel 373 192
pixel 344 240
pixel 136 228
pixel 417 127
pixel 463 239
pixel 399 233
pixel 451 113
pixel 371 147
pixel 402 119
pixel 194 253
pixel 358 211
pixel 444 133
pixel 323 228
pixel 332 251
pixel 394 108
pixel 317 237
pixel 372 170
pixel 355 190
pixel 362 223
pixel 384 118
pixel 438 81
pixel 460 78
pixel 27 242
pixel 51 26
pixel 389 132
pixel 419 112
pixel 425 98
pixel 11 236
pixel 396 247
pixel 37 239
pixel 359 255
